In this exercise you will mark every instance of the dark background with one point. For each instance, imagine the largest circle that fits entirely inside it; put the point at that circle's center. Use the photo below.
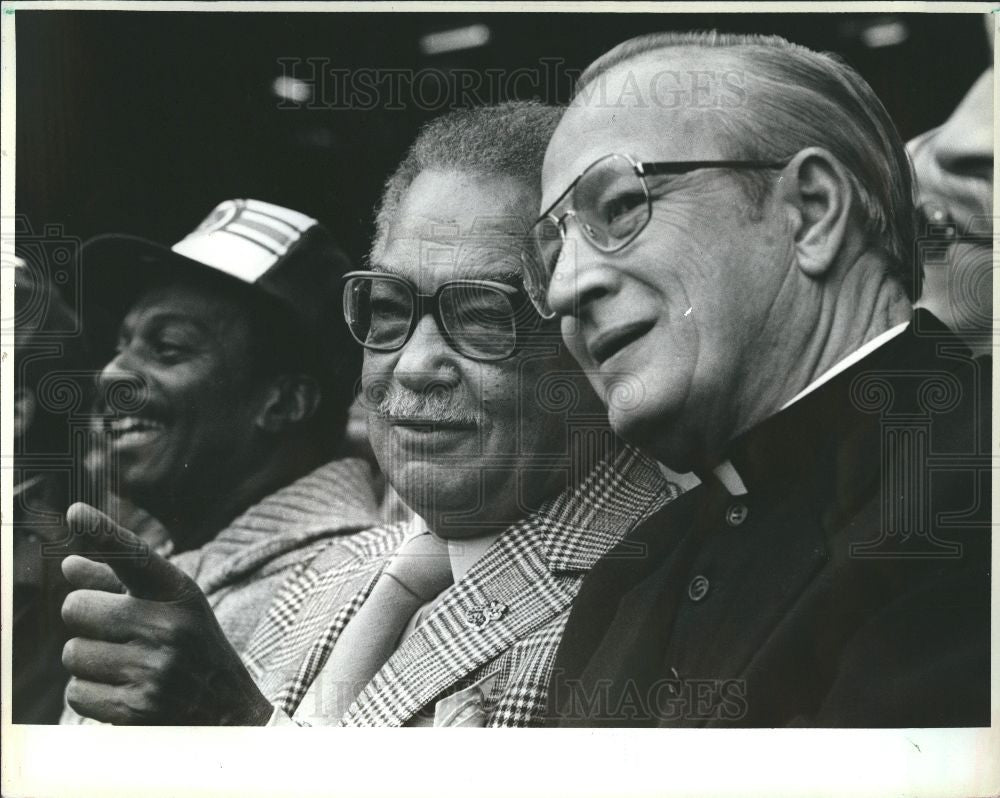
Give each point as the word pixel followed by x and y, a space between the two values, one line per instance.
pixel 142 122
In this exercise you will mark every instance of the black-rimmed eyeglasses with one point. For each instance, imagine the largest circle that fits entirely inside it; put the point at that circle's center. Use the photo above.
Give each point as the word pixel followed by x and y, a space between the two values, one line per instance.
pixel 612 205
pixel 481 319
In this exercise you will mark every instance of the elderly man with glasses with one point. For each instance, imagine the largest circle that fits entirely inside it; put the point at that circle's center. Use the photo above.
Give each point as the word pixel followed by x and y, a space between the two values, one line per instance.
pixel 482 423
pixel 743 260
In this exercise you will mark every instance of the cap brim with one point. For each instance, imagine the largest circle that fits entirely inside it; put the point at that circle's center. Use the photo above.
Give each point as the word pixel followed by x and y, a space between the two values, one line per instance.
pixel 117 268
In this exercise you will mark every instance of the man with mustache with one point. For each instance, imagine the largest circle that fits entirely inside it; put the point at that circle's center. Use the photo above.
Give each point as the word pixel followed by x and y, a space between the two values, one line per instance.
pixel 226 407
pixel 729 221
pixel 483 425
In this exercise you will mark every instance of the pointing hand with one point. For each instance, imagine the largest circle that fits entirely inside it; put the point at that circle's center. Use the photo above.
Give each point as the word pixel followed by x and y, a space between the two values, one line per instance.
pixel 148 649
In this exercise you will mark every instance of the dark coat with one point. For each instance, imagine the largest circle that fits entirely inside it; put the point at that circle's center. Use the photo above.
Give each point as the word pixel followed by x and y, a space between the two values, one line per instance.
pixel 849 587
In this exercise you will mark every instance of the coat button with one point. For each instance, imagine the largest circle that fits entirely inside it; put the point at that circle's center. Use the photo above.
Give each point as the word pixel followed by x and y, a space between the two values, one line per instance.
pixel 698 588
pixel 737 514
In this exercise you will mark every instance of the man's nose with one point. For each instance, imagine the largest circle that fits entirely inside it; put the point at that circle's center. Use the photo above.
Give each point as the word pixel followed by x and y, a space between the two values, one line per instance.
pixel 121 366
pixel 121 378
pixel 964 144
pixel 427 358
pixel 581 275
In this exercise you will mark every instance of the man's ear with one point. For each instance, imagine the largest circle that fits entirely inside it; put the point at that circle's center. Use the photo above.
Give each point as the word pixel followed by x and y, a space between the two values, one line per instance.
pixel 817 189
pixel 288 399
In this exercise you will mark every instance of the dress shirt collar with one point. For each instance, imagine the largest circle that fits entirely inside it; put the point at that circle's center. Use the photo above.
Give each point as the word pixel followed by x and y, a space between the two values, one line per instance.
pixel 462 553
pixel 586 519
pixel 466 553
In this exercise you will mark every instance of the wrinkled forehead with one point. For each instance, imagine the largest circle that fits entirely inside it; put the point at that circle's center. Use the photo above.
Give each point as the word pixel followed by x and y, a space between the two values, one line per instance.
pixel 670 104
pixel 432 251
pixel 458 225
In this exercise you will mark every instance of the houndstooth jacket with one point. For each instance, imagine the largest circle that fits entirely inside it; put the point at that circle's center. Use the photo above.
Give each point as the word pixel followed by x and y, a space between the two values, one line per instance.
pixel 499 625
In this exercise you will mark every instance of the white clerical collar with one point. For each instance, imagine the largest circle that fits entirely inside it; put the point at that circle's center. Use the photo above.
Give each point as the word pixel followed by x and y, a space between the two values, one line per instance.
pixel 849 361
pixel 463 553
pixel 726 472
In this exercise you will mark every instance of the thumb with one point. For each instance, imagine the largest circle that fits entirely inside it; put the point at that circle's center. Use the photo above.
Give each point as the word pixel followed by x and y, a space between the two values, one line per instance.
pixel 146 574
pixel 84 574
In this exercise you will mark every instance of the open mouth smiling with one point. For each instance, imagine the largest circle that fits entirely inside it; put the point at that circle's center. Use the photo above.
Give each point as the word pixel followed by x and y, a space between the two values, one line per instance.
pixel 134 429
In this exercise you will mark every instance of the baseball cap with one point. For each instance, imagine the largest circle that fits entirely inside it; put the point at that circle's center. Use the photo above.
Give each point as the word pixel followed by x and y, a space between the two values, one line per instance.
pixel 273 251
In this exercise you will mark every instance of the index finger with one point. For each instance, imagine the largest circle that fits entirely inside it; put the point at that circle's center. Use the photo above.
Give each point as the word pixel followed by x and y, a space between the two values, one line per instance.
pixel 142 571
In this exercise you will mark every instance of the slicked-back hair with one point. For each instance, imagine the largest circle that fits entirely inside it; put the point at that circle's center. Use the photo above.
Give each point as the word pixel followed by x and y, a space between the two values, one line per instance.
pixel 802 98
pixel 506 140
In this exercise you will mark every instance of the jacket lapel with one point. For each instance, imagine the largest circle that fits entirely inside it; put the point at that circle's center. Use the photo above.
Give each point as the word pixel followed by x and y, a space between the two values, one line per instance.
pixel 506 595
pixel 319 651
pixel 306 642
pixel 525 579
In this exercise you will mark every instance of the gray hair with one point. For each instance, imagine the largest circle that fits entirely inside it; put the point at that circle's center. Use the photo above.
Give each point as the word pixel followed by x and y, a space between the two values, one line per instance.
pixel 506 140
pixel 808 99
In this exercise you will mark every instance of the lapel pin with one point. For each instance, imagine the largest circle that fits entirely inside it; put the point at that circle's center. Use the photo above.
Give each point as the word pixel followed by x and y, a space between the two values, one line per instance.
pixel 479 617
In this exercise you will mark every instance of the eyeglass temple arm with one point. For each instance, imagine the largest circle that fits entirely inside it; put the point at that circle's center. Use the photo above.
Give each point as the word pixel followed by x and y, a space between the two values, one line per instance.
pixel 680 167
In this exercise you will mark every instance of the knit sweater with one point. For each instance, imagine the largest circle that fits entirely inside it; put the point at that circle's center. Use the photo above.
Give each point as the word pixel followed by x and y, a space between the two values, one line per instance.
pixel 245 564
pixel 242 567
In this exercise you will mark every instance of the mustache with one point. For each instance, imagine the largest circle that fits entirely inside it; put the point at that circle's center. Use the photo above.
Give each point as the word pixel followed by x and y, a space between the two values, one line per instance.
pixel 436 406
pixel 123 395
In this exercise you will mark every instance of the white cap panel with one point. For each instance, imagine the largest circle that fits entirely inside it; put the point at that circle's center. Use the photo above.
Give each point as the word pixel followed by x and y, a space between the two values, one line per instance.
pixel 235 255
pixel 244 238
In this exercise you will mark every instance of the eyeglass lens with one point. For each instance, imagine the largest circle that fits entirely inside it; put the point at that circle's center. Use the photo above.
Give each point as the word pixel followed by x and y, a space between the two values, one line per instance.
pixel 611 206
pixel 477 319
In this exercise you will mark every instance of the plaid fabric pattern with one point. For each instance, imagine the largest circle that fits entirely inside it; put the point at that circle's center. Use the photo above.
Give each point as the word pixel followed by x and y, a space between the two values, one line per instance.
pixel 533 571
pixel 519 694
pixel 314 605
